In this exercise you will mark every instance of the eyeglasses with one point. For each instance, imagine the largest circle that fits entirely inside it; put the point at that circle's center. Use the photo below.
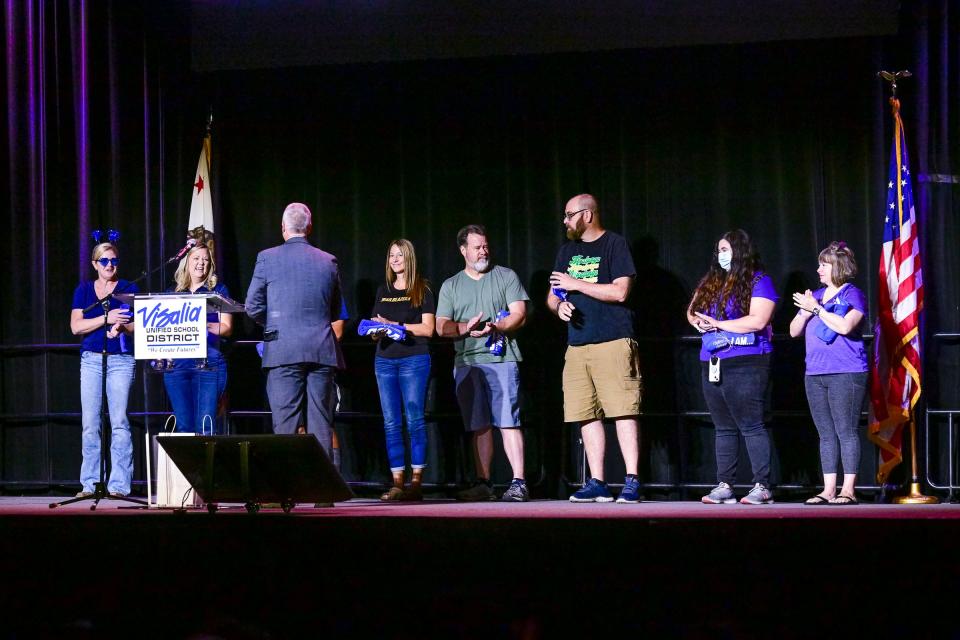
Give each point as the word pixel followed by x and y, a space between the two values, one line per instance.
pixel 111 261
pixel 569 216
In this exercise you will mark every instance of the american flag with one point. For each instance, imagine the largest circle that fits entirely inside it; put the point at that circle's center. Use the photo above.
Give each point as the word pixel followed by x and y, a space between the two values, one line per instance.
pixel 895 376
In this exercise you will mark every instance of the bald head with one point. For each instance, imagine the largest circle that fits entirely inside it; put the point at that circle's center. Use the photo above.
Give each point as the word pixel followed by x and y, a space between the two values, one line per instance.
pixel 583 201
pixel 582 218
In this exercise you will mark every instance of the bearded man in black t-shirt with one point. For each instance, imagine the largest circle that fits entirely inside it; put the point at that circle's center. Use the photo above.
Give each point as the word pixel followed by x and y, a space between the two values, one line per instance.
pixel 590 285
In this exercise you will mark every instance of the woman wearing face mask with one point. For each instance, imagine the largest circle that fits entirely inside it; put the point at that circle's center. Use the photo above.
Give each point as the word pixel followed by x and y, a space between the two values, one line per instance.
pixel 120 372
pixel 830 318
pixel 403 366
pixel 194 386
pixel 732 307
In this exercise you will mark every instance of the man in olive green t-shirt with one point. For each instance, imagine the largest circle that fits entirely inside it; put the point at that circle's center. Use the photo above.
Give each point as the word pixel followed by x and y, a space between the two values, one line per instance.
pixel 485 369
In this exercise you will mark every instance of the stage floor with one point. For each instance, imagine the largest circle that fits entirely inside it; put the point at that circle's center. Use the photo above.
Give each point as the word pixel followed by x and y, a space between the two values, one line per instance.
pixel 537 509
pixel 440 568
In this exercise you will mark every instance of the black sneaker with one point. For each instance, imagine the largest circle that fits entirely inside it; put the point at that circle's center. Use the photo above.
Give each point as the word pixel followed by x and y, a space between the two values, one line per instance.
pixel 479 492
pixel 517 492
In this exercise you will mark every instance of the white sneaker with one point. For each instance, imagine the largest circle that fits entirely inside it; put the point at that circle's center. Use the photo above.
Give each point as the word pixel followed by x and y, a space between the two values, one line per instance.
pixel 758 495
pixel 721 494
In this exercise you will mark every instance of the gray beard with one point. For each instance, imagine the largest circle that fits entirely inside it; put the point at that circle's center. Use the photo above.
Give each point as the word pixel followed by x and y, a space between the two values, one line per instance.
pixel 481 266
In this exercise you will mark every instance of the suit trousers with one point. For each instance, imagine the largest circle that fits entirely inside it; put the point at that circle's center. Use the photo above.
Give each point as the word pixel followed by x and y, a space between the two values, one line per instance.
pixel 290 387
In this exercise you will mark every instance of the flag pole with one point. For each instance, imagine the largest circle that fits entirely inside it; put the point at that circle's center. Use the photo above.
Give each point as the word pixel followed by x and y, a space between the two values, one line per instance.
pixel 915 496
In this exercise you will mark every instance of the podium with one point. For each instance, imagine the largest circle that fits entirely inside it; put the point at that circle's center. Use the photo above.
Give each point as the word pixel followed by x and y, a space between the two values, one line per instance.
pixel 172 326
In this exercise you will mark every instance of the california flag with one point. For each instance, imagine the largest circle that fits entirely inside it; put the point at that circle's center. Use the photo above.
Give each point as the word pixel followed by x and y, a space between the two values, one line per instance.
pixel 201 208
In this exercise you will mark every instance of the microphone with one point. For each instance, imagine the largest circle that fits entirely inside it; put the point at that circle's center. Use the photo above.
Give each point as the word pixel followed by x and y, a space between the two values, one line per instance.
pixel 191 243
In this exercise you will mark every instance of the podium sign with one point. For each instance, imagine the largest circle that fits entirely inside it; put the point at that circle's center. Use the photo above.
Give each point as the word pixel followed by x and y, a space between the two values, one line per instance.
pixel 169 327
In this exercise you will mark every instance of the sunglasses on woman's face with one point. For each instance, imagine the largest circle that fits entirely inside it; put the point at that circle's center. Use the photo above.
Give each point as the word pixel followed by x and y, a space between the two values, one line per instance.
pixel 111 261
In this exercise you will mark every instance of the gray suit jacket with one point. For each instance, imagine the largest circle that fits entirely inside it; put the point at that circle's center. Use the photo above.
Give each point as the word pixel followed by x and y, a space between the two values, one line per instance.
pixel 295 293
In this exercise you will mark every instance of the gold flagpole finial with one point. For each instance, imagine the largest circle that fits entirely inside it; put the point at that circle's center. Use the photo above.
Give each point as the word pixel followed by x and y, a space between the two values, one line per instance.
pixel 892 77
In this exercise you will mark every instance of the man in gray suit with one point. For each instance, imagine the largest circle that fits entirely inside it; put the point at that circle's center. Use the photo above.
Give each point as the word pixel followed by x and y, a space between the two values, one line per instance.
pixel 295 294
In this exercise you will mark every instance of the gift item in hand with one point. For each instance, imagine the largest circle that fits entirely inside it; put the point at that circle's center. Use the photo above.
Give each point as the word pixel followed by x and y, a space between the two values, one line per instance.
pixel 822 331
pixel 395 332
pixel 497 341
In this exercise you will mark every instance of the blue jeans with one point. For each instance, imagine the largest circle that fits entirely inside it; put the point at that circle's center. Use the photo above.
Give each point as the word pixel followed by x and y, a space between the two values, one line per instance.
pixel 194 394
pixel 121 369
pixel 403 384
pixel 736 406
pixel 835 403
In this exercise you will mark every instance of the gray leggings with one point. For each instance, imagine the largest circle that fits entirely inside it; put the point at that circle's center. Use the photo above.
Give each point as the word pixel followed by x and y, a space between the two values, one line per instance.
pixel 835 403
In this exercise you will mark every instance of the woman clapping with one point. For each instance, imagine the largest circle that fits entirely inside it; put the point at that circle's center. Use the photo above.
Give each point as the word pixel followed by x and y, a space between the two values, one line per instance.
pixel 830 318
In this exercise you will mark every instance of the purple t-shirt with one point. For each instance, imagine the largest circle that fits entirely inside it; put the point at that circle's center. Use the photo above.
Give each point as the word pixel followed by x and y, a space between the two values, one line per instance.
pixel 846 353
pixel 763 288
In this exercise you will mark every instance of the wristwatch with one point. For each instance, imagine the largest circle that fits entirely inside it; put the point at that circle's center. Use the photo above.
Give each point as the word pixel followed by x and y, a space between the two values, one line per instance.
pixel 816 311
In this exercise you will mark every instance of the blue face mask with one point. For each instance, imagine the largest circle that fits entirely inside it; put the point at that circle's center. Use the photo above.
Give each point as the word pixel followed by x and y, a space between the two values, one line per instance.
pixel 725 258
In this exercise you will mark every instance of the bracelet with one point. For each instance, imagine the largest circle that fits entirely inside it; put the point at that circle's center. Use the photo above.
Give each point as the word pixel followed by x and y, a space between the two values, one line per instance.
pixel 816 311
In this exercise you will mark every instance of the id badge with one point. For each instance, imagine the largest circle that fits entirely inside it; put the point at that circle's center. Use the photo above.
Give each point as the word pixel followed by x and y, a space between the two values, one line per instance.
pixel 713 374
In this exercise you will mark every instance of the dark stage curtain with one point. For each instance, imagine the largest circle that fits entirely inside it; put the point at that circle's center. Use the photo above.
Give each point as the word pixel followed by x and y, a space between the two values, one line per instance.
pixel 87 93
pixel 933 30
pixel 788 140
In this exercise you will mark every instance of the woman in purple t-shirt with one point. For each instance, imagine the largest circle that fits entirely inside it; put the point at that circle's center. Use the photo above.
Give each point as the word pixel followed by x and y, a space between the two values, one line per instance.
pixel 836 376
pixel 732 307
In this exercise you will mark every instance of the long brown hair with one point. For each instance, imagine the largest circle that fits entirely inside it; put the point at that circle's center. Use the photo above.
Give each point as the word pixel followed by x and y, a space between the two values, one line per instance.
pixel 416 286
pixel 717 287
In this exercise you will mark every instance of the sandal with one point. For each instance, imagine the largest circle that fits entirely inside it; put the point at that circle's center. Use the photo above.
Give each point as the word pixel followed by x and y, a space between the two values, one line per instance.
pixel 845 500
pixel 818 499
pixel 393 495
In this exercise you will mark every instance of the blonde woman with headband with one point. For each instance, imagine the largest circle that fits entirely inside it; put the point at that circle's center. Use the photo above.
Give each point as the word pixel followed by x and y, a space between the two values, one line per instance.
pixel 121 369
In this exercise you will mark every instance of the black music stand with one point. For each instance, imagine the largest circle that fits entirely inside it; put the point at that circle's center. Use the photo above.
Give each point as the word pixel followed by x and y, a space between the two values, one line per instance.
pixel 254 469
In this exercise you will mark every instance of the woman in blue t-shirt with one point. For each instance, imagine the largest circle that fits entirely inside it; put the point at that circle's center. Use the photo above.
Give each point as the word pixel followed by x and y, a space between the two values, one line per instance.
pixel 120 371
pixel 195 385
pixel 732 308
pixel 836 367
pixel 403 366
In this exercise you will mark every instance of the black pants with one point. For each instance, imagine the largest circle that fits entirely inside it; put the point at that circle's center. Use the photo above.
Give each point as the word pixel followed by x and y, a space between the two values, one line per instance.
pixel 736 406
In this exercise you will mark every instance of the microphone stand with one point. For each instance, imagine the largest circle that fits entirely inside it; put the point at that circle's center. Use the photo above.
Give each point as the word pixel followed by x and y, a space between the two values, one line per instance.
pixel 100 487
